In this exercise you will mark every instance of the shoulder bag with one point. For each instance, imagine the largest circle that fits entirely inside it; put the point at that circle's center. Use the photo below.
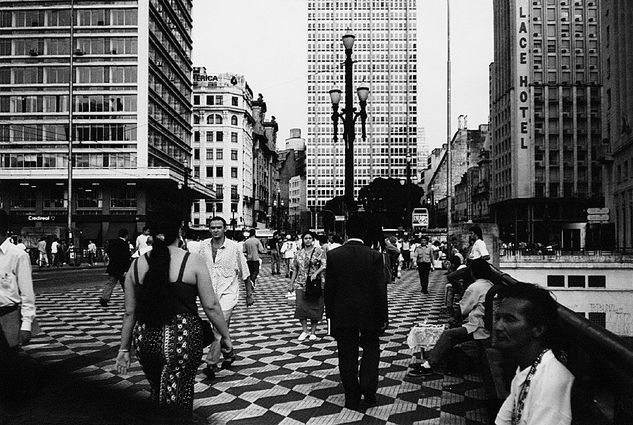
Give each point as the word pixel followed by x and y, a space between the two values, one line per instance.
pixel 313 286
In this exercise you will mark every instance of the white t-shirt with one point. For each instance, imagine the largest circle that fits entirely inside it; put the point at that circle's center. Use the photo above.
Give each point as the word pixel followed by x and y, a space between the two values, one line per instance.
pixel 478 250
pixel 548 399
pixel 141 242
pixel 54 246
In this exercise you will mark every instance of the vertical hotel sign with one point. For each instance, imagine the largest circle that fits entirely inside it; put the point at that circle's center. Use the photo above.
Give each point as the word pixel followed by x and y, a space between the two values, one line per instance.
pixel 522 175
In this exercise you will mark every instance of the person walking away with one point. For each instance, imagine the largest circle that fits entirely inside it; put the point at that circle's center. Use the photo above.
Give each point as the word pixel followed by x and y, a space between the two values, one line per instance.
pixel 274 245
pixel 119 254
pixel 394 256
pixel 92 253
pixel 526 331
pixel 54 250
pixel 41 249
pixel 252 248
pixel 288 250
pixel 161 317
pixel 471 313
pixel 227 267
pixel 356 305
pixel 406 253
pixel 141 240
pixel 17 313
pixel 424 257
pixel 308 264
pixel 337 241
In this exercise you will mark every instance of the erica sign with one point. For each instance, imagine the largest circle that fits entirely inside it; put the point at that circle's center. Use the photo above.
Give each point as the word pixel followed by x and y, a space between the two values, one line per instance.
pixel 522 100
pixel 209 78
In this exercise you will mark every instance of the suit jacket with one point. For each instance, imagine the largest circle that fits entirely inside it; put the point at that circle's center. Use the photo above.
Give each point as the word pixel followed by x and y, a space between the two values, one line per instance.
pixel 355 287
pixel 119 254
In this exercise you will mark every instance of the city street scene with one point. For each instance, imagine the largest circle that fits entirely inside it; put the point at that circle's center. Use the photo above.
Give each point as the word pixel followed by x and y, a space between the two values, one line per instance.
pixel 316 212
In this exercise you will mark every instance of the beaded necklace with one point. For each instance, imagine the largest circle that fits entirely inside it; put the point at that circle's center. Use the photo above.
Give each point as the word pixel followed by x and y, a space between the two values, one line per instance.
pixel 517 412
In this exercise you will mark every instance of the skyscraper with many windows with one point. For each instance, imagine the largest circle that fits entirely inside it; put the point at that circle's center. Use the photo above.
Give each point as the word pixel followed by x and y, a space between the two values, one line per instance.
pixel 129 109
pixel 545 112
pixel 385 54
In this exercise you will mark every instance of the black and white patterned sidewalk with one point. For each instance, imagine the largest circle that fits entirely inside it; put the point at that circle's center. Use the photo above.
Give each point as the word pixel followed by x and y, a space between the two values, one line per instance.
pixel 276 379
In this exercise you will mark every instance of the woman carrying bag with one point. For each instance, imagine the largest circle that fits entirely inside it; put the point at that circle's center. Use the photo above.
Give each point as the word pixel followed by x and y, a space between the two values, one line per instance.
pixel 308 264
pixel 161 316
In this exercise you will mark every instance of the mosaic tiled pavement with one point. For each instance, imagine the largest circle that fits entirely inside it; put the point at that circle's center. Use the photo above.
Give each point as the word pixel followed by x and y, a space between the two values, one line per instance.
pixel 276 379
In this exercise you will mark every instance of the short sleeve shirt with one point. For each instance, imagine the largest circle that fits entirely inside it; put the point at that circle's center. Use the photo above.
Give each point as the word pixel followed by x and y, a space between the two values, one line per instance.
pixel 478 250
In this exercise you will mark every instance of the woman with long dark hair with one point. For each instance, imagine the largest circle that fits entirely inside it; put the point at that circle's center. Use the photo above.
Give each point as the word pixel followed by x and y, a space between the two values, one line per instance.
pixel 308 263
pixel 161 316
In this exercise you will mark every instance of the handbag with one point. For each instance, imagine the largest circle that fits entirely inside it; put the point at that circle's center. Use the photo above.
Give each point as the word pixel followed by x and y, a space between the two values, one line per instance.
pixel 313 286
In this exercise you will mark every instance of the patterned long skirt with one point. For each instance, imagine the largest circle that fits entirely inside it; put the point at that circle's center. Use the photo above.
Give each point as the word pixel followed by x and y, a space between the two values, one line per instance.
pixel 170 356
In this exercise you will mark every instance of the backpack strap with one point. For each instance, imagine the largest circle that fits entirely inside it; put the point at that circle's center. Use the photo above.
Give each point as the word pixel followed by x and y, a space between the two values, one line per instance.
pixel 182 267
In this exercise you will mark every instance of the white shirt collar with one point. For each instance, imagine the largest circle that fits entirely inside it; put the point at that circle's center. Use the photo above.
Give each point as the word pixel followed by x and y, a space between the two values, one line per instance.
pixel 356 240
pixel 5 245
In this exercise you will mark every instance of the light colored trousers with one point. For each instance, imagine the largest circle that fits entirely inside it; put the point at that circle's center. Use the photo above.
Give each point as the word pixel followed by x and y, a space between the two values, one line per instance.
pixel 214 356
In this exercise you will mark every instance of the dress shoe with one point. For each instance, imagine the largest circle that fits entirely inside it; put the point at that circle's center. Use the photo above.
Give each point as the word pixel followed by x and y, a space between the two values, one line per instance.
pixel 370 399
pixel 103 302
pixel 420 371
pixel 352 405
pixel 210 371
pixel 229 358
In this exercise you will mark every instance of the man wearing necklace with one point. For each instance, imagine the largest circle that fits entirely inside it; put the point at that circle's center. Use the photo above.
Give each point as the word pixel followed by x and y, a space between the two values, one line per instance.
pixel 524 329
pixel 227 267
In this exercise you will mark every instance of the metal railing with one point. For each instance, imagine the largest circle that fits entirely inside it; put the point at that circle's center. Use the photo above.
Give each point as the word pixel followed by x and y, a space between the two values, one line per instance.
pixel 601 362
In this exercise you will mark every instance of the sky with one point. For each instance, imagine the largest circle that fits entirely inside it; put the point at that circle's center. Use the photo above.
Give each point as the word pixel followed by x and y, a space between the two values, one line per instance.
pixel 266 41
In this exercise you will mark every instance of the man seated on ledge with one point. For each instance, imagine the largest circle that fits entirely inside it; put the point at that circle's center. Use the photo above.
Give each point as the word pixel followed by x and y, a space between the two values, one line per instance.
pixel 525 329
pixel 471 309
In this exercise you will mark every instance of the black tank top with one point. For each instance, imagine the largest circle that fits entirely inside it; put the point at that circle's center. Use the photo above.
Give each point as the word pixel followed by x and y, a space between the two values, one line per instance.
pixel 184 294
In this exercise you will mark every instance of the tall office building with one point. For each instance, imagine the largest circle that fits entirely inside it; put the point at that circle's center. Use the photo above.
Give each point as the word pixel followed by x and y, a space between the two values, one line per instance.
pixel 130 115
pixel 545 111
pixel 385 54
pixel 617 121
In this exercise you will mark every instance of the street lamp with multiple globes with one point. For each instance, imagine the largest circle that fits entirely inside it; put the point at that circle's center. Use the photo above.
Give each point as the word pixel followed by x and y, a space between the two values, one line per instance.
pixel 349 116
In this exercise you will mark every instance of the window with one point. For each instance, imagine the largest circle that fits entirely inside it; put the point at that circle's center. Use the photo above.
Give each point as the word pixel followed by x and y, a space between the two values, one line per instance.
pixel 196 172
pixel 196 99
pixel 557 281
pixel 210 119
pixel 219 190
pixel 210 154
pixel 219 136
pixel 575 281
pixel 209 100
pixel 218 207
pixel 233 207
pixel 234 120
pixel 209 136
pixel 196 119
pixel 196 136
pixel 233 172
pixel 233 137
pixel 209 171
pixel 218 119
pixel 218 100
pixel 196 154
pixel 219 171
pixel 233 154
pixel 599 319
pixel 234 101
pixel 234 194
pixel 219 154
pixel 597 281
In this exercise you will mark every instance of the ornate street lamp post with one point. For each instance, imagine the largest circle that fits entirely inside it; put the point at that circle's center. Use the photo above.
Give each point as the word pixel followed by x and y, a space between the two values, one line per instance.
pixel 349 116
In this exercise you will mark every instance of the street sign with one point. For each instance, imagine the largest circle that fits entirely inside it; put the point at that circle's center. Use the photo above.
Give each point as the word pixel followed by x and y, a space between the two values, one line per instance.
pixel 598 211
pixel 420 219
pixel 339 218
pixel 598 217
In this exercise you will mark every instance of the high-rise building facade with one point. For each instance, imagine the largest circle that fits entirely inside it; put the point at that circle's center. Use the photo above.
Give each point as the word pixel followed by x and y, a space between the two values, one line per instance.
pixel 129 109
pixel 385 52
pixel 617 116
pixel 223 146
pixel 545 112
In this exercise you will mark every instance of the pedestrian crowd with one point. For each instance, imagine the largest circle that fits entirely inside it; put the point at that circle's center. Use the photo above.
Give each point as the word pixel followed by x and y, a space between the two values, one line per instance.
pixel 164 277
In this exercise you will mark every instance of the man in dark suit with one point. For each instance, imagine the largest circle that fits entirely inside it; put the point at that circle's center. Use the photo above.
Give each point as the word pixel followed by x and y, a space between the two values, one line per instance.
pixel 119 254
pixel 356 304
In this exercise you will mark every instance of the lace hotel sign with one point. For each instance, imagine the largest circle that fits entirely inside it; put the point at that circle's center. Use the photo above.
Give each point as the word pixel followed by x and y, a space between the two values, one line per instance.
pixel 521 172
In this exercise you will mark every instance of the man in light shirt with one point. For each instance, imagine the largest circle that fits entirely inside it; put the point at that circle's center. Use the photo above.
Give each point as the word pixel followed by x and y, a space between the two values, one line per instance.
pixel 471 310
pixel 252 248
pixel 540 392
pixel 141 241
pixel 227 267
pixel 478 250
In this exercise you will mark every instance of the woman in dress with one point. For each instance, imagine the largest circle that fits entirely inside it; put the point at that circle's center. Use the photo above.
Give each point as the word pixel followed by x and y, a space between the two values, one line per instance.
pixel 161 316
pixel 309 259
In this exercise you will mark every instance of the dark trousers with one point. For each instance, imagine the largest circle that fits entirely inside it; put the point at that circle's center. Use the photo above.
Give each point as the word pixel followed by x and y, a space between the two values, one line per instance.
pixel 423 270
pixel 348 341
pixel 448 339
